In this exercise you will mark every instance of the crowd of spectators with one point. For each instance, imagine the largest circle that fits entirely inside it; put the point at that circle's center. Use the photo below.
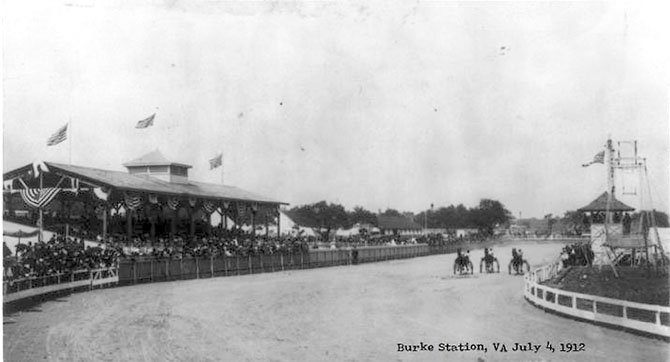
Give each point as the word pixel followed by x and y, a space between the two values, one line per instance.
pixel 62 255
pixel 59 255
pixel 577 254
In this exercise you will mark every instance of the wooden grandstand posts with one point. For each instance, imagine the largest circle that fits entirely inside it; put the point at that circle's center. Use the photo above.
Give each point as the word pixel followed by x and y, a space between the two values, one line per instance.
pixel 104 222
pixel 278 224
pixel 173 222
pixel 191 216
pixel 129 224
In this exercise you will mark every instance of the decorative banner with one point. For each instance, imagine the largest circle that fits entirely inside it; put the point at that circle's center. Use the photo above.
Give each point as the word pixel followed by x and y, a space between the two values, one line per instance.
pixel 153 198
pixel 226 204
pixel 132 202
pixel 192 201
pixel 101 192
pixel 208 207
pixel 173 203
pixel 37 199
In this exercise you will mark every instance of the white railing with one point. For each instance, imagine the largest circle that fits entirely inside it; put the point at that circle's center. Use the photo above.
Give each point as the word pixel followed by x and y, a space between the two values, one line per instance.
pixel 30 287
pixel 648 318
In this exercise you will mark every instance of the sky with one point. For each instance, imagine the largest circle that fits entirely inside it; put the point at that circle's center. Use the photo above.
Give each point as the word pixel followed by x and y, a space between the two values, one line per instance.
pixel 382 105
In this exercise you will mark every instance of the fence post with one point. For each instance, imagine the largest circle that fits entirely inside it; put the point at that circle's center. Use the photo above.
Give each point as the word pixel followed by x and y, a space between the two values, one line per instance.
pixel 197 268
pixel 251 269
pixel 151 270
pixel 134 271
pixel 90 278
pixel 181 267
pixel 302 261
pixel 211 265
pixel 260 257
pixel 281 260
pixel 167 269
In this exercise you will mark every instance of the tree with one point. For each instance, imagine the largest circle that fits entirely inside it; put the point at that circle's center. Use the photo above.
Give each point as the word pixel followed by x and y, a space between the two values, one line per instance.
pixel 321 216
pixel 391 212
pixel 362 216
pixel 489 214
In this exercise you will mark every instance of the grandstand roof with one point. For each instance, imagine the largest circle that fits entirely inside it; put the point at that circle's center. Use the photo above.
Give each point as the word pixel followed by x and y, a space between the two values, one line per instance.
pixel 600 204
pixel 144 183
pixel 396 222
pixel 154 158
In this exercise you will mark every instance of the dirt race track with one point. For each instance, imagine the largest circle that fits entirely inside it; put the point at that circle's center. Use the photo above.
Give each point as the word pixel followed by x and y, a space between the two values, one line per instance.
pixel 348 313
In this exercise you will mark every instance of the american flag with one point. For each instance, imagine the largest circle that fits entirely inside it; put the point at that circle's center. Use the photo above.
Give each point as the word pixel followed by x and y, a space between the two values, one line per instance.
pixel 598 158
pixel 216 161
pixel 58 137
pixel 146 122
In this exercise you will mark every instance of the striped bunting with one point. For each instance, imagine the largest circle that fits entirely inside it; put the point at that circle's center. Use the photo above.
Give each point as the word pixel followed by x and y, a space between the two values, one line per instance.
pixel 208 207
pixel 173 203
pixel 132 202
pixel 37 199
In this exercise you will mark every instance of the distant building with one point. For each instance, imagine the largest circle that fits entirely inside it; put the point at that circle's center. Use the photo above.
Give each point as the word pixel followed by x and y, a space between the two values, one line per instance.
pixel 397 225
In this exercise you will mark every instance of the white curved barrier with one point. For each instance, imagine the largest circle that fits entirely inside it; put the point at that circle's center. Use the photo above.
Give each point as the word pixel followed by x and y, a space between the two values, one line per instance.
pixel 647 318
pixel 34 286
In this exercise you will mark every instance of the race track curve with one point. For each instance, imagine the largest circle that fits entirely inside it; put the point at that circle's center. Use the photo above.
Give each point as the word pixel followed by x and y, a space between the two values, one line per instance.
pixel 347 313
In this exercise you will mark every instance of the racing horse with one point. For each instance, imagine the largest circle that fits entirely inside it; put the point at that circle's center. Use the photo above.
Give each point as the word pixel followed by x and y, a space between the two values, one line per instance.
pixel 489 260
pixel 462 264
pixel 517 263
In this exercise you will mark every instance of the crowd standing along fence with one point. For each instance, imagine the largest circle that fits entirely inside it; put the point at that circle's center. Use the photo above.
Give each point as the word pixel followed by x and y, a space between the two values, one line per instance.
pixel 639 317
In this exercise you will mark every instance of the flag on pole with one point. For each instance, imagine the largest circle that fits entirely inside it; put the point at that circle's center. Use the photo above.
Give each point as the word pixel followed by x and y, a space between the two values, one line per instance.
pixel 58 137
pixel 216 161
pixel 149 121
pixel 598 158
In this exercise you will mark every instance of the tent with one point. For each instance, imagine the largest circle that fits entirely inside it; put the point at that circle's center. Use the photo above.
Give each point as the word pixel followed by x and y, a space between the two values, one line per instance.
pixel 289 227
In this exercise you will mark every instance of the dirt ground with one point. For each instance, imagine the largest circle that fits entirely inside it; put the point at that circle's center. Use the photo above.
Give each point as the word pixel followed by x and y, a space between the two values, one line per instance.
pixel 348 313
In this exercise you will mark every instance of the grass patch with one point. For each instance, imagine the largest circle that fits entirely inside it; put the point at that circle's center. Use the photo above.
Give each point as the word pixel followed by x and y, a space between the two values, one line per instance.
pixel 633 284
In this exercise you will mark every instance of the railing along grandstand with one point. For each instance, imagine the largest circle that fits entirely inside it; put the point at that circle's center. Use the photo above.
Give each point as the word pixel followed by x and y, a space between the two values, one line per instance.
pixel 13 290
pixel 640 317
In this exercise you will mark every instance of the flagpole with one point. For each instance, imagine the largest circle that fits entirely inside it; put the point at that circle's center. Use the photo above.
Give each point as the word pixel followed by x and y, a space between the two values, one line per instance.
pixel 69 126
pixel 221 167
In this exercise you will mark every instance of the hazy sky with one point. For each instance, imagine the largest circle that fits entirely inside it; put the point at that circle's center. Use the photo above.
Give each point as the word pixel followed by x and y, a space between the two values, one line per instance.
pixel 375 105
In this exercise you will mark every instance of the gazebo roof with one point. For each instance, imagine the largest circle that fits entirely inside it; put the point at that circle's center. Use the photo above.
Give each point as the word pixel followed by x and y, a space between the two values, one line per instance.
pixel 600 204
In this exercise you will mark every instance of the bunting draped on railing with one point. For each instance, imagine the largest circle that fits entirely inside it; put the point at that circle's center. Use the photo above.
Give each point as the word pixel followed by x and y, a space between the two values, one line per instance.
pixel 173 203
pixel 153 198
pixel 39 198
pixel 208 207
pixel 192 201
pixel 132 202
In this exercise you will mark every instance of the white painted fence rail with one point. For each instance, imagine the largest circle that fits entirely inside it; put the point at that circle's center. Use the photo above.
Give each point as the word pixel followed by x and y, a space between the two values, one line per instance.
pixel 647 318
pixel 34 286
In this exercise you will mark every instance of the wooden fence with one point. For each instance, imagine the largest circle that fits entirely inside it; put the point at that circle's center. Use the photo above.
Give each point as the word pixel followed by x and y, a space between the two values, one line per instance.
pixel 141 270
pixel 646 318
pixel 30 287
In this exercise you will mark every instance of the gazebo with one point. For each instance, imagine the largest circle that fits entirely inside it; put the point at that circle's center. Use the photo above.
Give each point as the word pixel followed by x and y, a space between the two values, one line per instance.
pixel 154 192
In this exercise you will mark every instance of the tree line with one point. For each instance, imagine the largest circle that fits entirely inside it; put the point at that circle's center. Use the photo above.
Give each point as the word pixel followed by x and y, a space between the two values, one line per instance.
pixel 330 216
